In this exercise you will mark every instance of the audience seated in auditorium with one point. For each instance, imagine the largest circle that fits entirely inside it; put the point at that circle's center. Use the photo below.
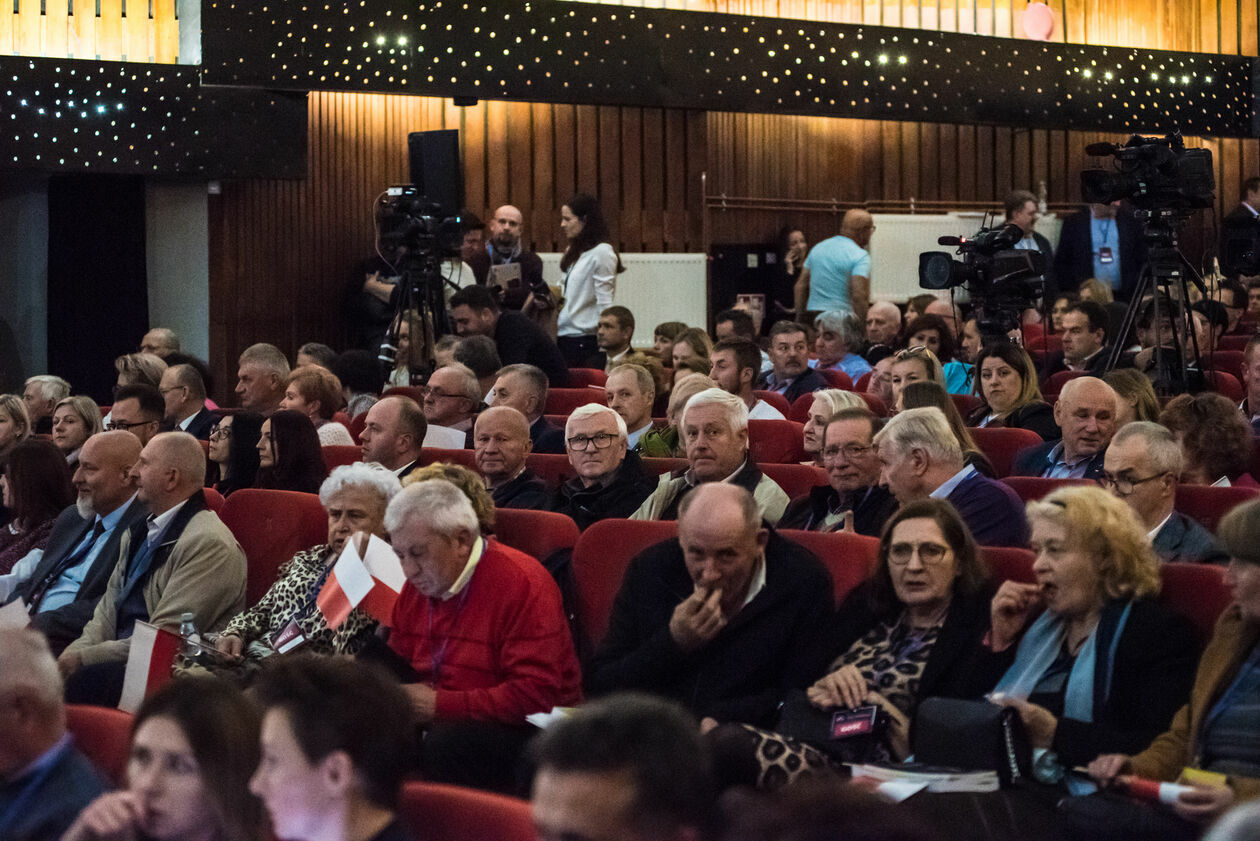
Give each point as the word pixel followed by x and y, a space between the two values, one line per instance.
pixel 41 395
pixel 920 458
pixel 1143 465
pixel 932 332
pixel 1086 413
pixel 1084 341
pixel 630 392
pixel 501 443
pixel 610 480
pixel 692 342
pixel 911 365
pixel 75 420
pixel 852 498
pixel 613 336
pixel 289 455
pixel 452 397
pixel 1251 382
pixel 181 560
pixel 629 767
pixel 482 636
pixel 482 358
pixel 35 481
pixel 1135 396
pixel 969 343
pixel 826 403
pixel 922 395
pixel 663 336
pixel 160 342
pixel 666 441
pixel 1007 385
pixel 839 336
pixel 315 391
pixel 355 497
pixel 137 409
pixel 394 434
pixel 47 781
pixel 836 274
pixel 475 311
pixel 736 363
pixel 524 388
pixel 1215 731
pixel 15 424
pixel 233 449
pixel 1216 440
pixel 315 353
pixel 337 739
pixel 194 744
pixel 880 383
pixel 738 323
pixel 1104 666
pixel 1233 296
pixel 184 402
pixel 504 261
pixel 260 378
pixel 724 618
pixel 790 374
pixel 883 327
pixel 360 376
pixel 61 587
pixel 714 430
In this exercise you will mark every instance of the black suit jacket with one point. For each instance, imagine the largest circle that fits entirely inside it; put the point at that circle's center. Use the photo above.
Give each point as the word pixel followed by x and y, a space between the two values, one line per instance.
pixel 1055 363
pixel 1182 539
pixel 546 437
pixel 1074 260
pixel 199 426
pixel 1239 229
pixel 64 625
pixel 520 340
pixel 1032 461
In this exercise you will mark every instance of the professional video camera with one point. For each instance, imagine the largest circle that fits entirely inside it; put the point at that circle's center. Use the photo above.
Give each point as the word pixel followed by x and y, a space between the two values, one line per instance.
pixel 1153 173
pixel 406 218
pixel 1001 280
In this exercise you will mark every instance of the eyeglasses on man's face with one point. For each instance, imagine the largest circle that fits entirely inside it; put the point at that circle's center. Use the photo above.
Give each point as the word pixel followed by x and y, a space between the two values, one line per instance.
pixel 114 426
pixel 601 440
pixel 1122 484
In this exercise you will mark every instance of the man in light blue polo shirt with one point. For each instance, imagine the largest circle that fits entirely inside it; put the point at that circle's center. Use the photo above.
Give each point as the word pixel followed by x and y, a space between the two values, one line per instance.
pixel 837 272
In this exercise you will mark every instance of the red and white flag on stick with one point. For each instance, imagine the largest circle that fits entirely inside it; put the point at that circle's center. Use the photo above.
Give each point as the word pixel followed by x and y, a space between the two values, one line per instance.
pixel 149 663
pixel 372 581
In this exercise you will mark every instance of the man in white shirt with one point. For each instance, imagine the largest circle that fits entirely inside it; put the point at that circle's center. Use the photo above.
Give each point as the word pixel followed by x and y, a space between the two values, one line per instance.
pixel 630 392
pixel 735 366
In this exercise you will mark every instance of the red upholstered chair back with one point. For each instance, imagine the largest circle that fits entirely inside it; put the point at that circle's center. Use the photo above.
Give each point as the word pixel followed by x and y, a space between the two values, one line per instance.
pixel 357 425
pixel 413 391
pixel 836 378
pixel 850 558
pixel 1045 344
pixel 1001 445
pixel 539 534
pixel 271 527
pixel 562 401
pixel 439 812
pixel 1008 563
pixel 1234 342
pixel 335 455
pixel 1196 591
pixel 775 399
pixel 1055 384
pixel 1221 359
pixel 1035 487
pixel 862 382
pixel 664 465
pixel 104 736
pixel 795 479
pixel 552 468
pixel 341 418
pixel 965 404
pixel 776 441
pixel 600 559
pixel 431 455
pixel 214 500
pixel 802 405
pixel 583 377
pixel 1207 504
pixel 1225 383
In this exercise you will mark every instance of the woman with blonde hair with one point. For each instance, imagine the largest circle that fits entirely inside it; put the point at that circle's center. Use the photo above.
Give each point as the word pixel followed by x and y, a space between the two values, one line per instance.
pixel 912 365
pixel 826 403
pixel 691 342
pixel 75 419
pixel 15 423
pixel 1089 659
pixel 1093 289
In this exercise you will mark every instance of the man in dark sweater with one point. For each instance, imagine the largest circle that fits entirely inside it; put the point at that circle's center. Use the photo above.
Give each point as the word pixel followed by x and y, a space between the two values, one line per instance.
pixel 610 481
pixel 500 443
pixel 723 619
pixel 475 311
pixel 920 457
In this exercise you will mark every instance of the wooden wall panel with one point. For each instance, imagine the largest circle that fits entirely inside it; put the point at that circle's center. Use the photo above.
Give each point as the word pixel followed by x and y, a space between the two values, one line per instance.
pixel 47 28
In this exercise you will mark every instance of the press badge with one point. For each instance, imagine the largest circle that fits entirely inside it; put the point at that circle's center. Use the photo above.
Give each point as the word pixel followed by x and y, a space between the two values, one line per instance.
pixel 288 638
pixel 1105 255
pixel 855 722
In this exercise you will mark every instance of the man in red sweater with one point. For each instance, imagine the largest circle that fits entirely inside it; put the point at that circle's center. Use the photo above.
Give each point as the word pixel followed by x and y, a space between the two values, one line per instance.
pixel 483 630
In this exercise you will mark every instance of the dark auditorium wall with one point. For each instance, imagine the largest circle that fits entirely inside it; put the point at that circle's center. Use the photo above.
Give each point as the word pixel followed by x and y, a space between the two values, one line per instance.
pixel 282 252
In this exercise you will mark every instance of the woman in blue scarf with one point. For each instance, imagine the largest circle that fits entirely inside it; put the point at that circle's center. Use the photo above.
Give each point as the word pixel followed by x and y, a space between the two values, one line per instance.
pixel 1092 663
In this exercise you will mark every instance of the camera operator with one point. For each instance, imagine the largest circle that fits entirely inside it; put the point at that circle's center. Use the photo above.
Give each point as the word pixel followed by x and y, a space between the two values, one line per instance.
pixel 1022 210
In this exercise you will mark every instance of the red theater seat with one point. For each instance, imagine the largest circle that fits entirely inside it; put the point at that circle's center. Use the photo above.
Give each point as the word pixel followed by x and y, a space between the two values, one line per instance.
pixel 335 455
pixel 1001 445
pixel 775 399
pixel 1008 563
pixel 104 736
pixel 1055 384
pixel 1229 361
pixel 552 468
pixel 850 558
pixel 1207 504
pixel 214 499
pixel 1035 487
pixel 1225 383
pixel 539 534
pixel 862 382
pixel 357 425
pixel 1197 592
pixel 341 418
pixel 583 377
pixel 562 401
pixel 664 465
pixel 415 392
pixel 272 526
pixel 836 378
pixel 1234 342
pixel 431 455
pixel 438 812
pixel 600 559
pixel 776 441
pixel 965 404
pixel 795 479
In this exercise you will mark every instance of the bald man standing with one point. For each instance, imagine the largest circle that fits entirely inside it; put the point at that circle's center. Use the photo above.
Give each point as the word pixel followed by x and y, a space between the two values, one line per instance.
pixel 504 252
pixel 837 272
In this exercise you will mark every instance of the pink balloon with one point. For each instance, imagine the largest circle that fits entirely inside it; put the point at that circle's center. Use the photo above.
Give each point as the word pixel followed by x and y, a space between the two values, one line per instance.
pixel 1038 22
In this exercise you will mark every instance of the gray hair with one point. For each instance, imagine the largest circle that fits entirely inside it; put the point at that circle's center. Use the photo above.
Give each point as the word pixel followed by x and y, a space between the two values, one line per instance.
pixel 533 377
pixel 372 476
pixel 642 376
pixel 50 387
pixel 168 337
pixel 85 407
pixel 1160 444
pixel 27 661
pixel 268 357
pixel 443 506
pixel 736 410
pixel 592 409
pixel 925 429
pixel 837 399
pixel 141 368
pixel 469 385
pixel 844 324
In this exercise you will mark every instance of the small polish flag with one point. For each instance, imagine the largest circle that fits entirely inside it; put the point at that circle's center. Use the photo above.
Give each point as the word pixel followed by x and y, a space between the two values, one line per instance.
pixel 373 581
pixel 149 663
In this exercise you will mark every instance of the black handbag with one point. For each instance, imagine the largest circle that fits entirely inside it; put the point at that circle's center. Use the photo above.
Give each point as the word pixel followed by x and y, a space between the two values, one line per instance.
pixel 844 735
pixel 972 736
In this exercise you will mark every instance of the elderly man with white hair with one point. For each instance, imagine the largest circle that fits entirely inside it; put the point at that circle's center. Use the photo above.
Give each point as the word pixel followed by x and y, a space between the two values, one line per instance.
pixel 714 430
pixel 883 326
pixel 481 634
pixel 920 458
pixel 41 394
pixel 44 781
pixel 260 378
pixel 610 480
pixel 182 559
pixel 355 497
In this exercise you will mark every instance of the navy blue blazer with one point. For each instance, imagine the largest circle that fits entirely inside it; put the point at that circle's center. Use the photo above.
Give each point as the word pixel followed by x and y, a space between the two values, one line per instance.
pixel 992 510
pixel 1183 539
pixel 49 809
pixel 1032 461
pixel 546 437
pixel 1074 260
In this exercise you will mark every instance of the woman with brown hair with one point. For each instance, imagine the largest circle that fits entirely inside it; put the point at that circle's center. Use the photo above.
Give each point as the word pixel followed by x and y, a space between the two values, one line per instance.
pixel 1216 439
pixel 289 455
pixel 36 487
pixel 316 392
pixel 1006 383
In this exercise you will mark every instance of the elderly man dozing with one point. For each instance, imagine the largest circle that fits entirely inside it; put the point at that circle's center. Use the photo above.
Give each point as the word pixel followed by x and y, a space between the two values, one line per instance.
pixel 500 445
pixel 483 630
pixel 524 388
pixel 1086 413
pixel 610 481
pixel 714 429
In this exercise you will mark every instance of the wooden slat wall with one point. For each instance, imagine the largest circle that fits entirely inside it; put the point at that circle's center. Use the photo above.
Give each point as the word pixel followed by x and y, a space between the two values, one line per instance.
pixel 48 29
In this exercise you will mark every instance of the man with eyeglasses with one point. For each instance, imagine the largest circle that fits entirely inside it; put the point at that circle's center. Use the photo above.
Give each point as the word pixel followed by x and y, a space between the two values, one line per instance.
pixel 852 499
pixel 184 397
pixel 1142 466
pixel 610 481
pixel 451 397
pixel 138 409
pixel 500 445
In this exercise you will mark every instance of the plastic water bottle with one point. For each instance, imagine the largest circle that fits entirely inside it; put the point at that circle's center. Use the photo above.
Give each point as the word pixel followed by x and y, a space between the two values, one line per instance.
pixel 188 631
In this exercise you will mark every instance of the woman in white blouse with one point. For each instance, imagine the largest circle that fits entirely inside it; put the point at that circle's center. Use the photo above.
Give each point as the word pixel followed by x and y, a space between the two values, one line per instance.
pixel 590 266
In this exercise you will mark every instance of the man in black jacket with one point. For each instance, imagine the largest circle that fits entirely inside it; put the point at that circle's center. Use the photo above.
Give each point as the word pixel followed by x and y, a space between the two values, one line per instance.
pixel 474 310
pixel 500 444
pixel 1101 241
pixel 610 481
pixel 724 618
pixel 790 374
